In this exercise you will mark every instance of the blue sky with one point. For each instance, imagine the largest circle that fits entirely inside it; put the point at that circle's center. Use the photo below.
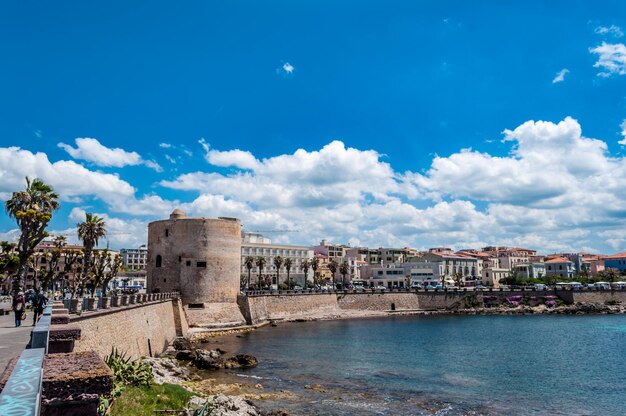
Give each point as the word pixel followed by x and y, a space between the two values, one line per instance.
pixel 205 105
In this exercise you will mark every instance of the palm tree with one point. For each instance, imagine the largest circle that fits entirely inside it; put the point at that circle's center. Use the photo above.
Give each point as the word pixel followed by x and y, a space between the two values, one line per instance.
pixel 315 264
pixel 278 262
pixel 60 241
pixel 344 269
pixel 304 266
pixel 249 263
pixel 288 263
pixel 9 261
pixel 458 278
pixel 260 262
pixel 90 231
pixel 32 210
pixel 332 266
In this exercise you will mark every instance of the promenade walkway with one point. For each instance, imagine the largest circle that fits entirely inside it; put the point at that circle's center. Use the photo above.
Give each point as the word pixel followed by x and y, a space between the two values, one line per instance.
pixel 12 340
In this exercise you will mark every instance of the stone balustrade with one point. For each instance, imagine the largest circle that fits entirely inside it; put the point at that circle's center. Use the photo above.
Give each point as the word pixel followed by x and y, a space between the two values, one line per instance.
pixel 88 305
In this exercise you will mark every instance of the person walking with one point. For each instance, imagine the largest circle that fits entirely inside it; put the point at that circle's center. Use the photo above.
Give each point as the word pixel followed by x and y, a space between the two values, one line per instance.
pixel 39 302
pixel 19 306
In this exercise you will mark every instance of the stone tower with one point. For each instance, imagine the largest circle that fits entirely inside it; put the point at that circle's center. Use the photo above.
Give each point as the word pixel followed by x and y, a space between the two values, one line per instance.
pixel 198 257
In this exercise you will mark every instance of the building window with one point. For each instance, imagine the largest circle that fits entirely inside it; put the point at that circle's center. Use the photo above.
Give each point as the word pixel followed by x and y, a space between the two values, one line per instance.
pixel 188 263
pixel 159 260
pixel 167 232
pixel 201 264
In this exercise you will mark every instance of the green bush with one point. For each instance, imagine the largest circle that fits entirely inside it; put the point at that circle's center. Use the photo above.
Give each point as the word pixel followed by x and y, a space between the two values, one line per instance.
pixel 129 372
pixel 126 372
pixel 149 401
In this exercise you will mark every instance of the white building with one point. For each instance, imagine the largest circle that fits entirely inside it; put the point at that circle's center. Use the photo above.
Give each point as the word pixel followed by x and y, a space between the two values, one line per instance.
pixel 134 258
pixel 256 245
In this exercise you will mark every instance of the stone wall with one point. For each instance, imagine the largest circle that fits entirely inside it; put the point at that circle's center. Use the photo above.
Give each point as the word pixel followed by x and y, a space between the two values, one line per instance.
pixel 293 306
pixel 378 301
pixel 593 296
pixel 137 330
pixel 261 308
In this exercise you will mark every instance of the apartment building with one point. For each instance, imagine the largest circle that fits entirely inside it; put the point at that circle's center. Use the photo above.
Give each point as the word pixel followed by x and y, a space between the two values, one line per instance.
pixel 134 258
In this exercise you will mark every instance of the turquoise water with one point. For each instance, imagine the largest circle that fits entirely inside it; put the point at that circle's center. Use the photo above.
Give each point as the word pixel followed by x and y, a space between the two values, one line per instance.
pixel 457 365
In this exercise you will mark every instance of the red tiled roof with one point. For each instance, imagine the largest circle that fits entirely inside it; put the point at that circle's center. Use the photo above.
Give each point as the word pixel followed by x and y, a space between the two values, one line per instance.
pixel 617 256
pixel 558 260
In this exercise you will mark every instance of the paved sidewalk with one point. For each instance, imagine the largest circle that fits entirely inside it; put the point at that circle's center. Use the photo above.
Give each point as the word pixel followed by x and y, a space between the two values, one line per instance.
pixel 13 340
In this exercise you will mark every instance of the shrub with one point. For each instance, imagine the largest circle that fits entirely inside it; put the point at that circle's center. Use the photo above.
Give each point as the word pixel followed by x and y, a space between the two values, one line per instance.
pixel 126 372
pixel 551 304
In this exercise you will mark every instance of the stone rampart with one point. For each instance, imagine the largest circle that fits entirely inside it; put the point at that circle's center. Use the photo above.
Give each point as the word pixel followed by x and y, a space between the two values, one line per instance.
pixel 378 301
pixel 137 330
pixel 293 306
pixel 600 297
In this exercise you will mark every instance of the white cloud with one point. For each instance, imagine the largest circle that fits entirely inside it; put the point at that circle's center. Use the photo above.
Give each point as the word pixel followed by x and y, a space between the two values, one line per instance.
pixel 127 233
pixel 285 69
pixel 553 189
pixel 612 30
pixel 236 158
pixel 560 76
pixel 165 145
pixel 73 182
pixel 611 60
pixel 93 151
pixel 623 127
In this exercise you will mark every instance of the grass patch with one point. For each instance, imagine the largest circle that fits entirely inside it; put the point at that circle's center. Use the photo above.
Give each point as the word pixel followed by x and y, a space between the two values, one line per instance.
pixel 143 401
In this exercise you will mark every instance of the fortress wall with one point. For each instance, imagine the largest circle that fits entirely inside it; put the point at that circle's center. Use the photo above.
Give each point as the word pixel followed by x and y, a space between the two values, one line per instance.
pixel 261 308
pixel 133 330
pixel 446 300
pixel 593 297
pixel 378 301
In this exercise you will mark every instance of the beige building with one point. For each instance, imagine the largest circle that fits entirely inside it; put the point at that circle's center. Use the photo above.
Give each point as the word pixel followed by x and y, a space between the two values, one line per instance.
pixel 492 276
pixel 256 245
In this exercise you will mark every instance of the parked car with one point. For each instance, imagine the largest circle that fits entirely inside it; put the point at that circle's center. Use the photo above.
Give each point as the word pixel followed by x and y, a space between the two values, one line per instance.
pixel 430 287
pixel 380 287
pixel 416 285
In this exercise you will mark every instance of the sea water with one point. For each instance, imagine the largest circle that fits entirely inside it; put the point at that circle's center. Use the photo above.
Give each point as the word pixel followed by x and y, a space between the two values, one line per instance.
pixel 444 365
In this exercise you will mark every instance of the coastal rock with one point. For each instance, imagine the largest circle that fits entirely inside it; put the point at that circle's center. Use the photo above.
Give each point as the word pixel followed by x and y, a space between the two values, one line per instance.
pixel 241 361
pixel 186 355
pixel 208 360
pixel 167 370
pixel 181 344
pixel 222 405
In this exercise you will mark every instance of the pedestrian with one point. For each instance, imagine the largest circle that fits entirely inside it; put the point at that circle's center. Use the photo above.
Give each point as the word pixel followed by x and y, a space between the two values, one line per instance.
pixel 39 302
pixel 19 307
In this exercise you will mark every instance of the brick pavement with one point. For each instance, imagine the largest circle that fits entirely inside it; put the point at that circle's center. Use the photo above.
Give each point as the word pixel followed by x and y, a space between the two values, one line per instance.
pixel 12 339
